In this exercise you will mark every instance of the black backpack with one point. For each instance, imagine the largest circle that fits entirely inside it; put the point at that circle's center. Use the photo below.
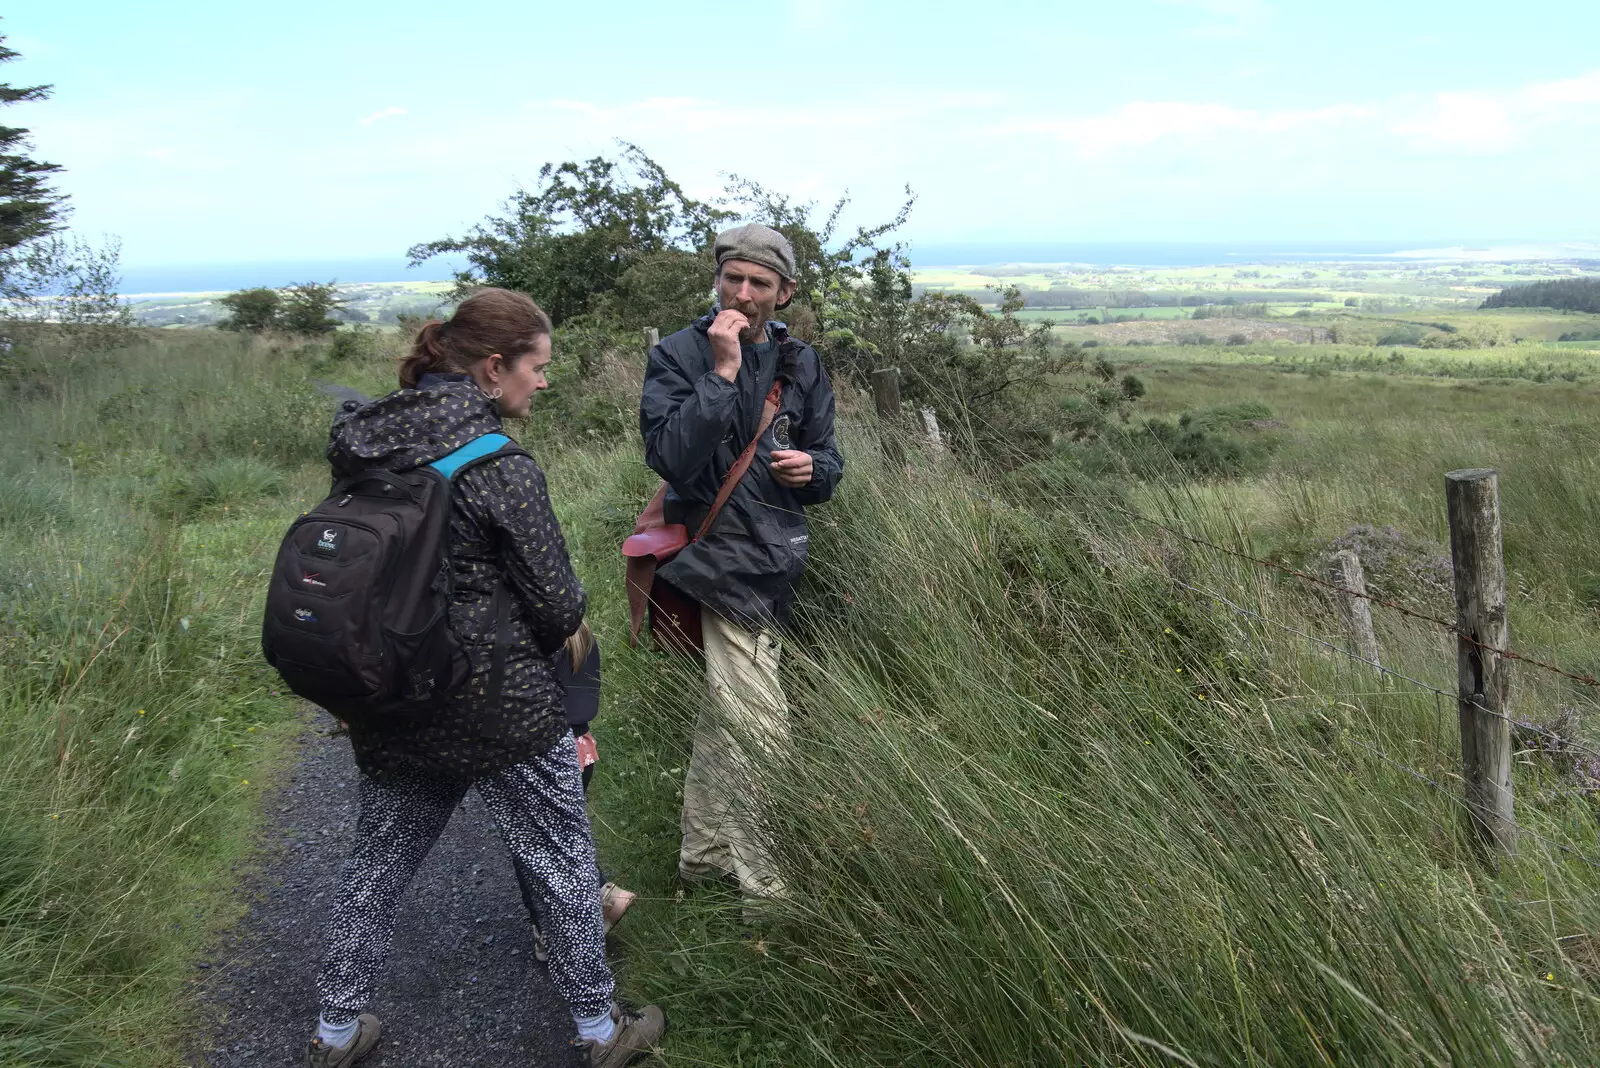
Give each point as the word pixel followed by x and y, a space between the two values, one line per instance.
pixel 357 617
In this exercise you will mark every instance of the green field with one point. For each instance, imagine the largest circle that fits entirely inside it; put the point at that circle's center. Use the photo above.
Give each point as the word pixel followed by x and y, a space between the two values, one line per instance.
pixel 1400 285
pixel 1052 799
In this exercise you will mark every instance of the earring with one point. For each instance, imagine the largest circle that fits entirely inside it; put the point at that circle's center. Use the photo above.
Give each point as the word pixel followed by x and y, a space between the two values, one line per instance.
pixel 496 394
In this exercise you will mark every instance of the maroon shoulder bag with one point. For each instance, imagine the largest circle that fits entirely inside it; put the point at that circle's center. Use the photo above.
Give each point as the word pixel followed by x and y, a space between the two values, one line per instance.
pixel 674 618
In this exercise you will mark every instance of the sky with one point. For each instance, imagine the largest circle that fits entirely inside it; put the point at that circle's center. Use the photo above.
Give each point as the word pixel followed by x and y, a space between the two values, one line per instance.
pixel 225 133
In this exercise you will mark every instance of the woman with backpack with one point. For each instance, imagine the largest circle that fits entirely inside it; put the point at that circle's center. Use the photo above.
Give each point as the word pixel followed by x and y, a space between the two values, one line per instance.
pixel 514 601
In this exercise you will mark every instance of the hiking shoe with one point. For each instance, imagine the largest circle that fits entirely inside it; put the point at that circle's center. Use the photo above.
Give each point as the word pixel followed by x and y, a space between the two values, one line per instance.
pixel 322 1055
pixel 541 948
pixel 766 908
pixel 637 1031
pixel 706 875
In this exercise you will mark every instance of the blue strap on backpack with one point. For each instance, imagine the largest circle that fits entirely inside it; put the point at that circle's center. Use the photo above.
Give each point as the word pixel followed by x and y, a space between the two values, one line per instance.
pixel 476 449
pixel 447 466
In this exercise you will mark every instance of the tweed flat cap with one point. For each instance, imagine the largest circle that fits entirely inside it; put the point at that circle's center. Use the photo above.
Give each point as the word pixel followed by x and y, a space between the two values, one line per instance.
pixel 755 243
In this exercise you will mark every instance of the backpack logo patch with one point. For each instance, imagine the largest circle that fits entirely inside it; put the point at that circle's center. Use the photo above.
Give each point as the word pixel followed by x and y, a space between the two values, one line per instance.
pixel 305 615
pixel 780 432
pixel 328 543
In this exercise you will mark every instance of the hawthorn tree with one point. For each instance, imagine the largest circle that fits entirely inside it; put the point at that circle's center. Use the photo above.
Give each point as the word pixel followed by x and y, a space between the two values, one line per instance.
pixel 309 308
pixel 305 308
pixel 591 239
pixel 251 311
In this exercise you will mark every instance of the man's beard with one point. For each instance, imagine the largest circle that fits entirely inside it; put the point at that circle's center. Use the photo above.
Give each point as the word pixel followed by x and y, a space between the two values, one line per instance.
pixel 757 328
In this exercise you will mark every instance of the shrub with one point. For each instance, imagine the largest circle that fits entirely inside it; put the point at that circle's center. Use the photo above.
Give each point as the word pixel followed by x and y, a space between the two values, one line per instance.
pixel 252 311
pixel 233 481
pixel 1442 340
pixel 308 309
pixel 32 504
pixel 1402 334
pixel 1227 416
pixel 1157 450
pixel 353 343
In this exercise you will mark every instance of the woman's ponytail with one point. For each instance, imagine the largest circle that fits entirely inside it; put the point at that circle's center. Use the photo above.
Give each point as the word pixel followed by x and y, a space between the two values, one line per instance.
pixel 427 355
pixel 489 321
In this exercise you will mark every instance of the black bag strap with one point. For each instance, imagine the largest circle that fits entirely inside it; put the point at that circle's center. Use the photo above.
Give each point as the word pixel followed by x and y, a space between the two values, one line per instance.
pixel 502 646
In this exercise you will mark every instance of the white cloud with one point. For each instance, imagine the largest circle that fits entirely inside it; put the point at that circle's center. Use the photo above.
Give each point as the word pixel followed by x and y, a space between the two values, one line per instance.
pixel 1471 123
pixel 1584 89
pixel 1143 123
pixel 983 163
pixel 1455 122
pixel 387 113
pixel 1497 122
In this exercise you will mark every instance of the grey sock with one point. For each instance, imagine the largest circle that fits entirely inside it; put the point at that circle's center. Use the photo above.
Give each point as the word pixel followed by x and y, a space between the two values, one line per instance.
pixel 337 1035
pixel 598 1028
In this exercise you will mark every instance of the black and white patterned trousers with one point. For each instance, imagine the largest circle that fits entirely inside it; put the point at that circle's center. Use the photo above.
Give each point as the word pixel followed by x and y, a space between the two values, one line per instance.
pixel 539 808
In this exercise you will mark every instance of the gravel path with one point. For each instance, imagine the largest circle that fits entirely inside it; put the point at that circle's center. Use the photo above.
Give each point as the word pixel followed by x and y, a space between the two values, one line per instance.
pixel 462 987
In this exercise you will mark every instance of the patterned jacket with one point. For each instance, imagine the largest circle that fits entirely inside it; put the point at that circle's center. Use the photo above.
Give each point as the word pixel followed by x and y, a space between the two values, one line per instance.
pixel 502 529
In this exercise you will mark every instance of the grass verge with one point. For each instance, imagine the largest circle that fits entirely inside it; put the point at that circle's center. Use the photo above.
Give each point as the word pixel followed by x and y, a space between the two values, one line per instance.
pixel 144 491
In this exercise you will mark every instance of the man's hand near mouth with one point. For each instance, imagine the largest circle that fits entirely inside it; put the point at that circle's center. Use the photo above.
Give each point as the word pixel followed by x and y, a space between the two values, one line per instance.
pixel 725 333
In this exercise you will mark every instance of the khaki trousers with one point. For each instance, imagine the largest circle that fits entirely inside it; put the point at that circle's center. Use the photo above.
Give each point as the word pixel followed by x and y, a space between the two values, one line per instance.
pixel 745 724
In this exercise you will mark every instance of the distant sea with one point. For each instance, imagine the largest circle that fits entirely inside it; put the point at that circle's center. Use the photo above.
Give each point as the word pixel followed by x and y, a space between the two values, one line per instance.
pixel 226 277
pixel 201 277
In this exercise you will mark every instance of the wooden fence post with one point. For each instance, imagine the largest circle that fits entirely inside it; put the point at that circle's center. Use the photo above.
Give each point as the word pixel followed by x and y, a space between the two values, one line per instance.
pixel 1345 571
pixel 1482 678
pixel 886 392
pixel 886 399
pixel 652 338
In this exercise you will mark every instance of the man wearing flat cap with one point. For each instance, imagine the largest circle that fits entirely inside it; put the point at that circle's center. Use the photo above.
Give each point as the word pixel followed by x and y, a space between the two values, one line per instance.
pixel 705 391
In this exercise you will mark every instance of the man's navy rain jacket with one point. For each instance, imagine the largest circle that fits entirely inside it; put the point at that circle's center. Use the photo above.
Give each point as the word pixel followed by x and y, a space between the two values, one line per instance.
pixel 695 423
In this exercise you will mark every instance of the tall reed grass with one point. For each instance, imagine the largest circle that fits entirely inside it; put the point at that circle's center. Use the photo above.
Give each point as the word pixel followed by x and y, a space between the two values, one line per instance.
pixel 143 490
pixel 1046 805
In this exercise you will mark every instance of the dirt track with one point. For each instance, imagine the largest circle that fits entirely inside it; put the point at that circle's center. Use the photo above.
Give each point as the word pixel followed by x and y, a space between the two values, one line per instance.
pixel 462 986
